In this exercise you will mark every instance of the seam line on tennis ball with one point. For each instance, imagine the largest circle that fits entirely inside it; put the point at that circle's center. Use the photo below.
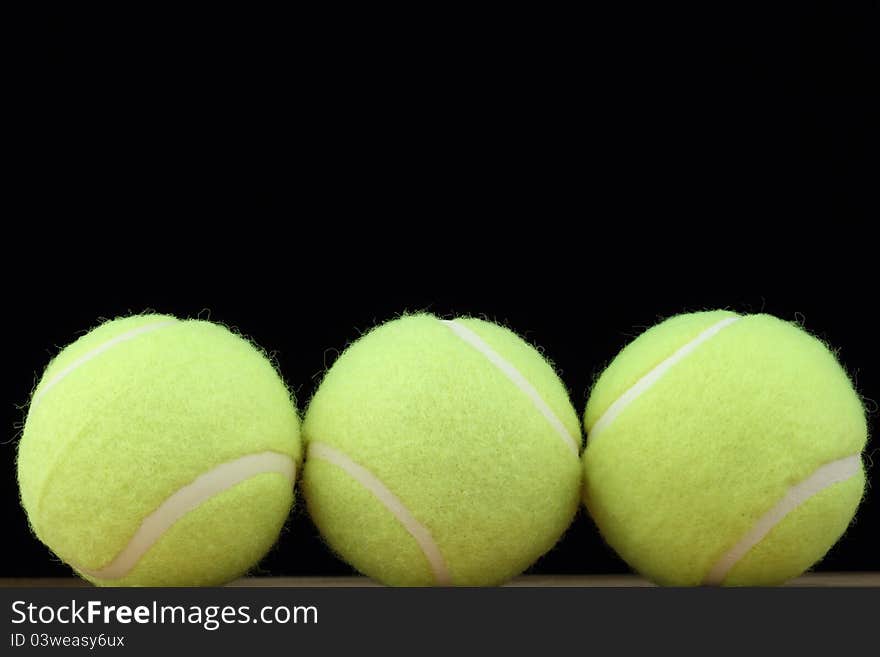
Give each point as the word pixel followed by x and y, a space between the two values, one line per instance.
pixel 391 502
pixel 824 476
pixel 97 351
pixel 648 380
pixel 186 499
pixel 514 375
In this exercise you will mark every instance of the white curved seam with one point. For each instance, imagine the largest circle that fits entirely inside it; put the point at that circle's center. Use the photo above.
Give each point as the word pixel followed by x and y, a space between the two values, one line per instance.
pixel 517 379
pixel 185 499
pixel 649 379
pixel 97 351
pixel 391 502
pixel 824 476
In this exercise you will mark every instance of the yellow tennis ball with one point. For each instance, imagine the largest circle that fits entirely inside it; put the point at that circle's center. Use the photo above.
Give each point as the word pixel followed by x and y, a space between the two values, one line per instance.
pixel 441 452
pixel 723 449
pixel 159 452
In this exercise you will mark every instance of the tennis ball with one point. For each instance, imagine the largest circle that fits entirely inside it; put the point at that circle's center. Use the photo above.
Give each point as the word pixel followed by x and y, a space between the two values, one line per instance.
pixel 159 452
pixel 723 449
pixel 441 452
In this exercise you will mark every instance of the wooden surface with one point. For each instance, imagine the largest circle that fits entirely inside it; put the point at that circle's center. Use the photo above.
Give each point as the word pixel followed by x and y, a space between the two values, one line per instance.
pixel 811 580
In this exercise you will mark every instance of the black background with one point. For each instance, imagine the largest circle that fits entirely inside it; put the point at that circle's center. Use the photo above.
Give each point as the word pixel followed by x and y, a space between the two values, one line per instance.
pixel 575 176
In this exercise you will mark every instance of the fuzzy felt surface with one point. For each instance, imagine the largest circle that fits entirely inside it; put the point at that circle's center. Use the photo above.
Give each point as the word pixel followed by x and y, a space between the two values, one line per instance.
pixel 464 449
pixel 121 432
pixel 219 541
pixel 690 465
pixel 642 355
